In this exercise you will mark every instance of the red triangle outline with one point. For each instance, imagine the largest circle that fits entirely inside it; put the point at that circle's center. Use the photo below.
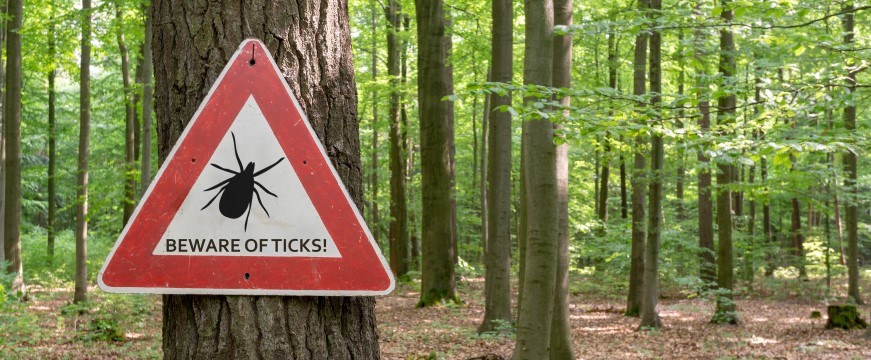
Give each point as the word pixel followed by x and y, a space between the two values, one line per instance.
pixel 132 268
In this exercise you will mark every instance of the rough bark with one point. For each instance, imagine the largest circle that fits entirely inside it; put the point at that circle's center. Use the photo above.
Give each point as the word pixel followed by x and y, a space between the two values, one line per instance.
pixel 639 182
pixel 650 287
pixel 436 155
pixel 560 331
pixel 707 268
pixel 400 256
pixel 725 312
pixel 81 291
pixel 535 309
pixel 52 146
pixel 129 119
pixel 851 172
pixel 147 100
pixel 12 135
pixel 498 251
pixel 312 47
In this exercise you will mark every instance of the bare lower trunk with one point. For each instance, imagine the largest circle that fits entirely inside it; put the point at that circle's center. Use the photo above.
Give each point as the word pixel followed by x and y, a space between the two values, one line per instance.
pixel 84 148
pixel 12 136
pixel 400 256
pixel 851 174
pixel 707 268
pixel 322 78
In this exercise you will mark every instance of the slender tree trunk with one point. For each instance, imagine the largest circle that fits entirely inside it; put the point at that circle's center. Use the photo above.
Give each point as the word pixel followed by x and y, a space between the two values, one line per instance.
pixel 605 176
pixel 84 148
pixel 560 331
pixel 482 186
pixel 624 201
pixel 851 170
pixel 226 327
pixel 400 256
pixel 130 116
pixel 726 103
pixel 497 258
pixel 650 287
pixel 3 31
pixel 436 152
pixel 707 268
pixel 373 186
pixel 147 100
pixel 12 130
pixel 409 150
pixel 639 182
pixel 536 307
pixel 52 142
pixel 679 124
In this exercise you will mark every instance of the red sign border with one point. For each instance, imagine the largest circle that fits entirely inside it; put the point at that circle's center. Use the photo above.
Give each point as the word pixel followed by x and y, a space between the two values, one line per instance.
pixel 132 268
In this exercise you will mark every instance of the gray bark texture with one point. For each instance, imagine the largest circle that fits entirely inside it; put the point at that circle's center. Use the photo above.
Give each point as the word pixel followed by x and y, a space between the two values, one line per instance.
pixel 650 287
pixel 707 268
pixel 561 328
pixel 639 182
pixel 311 43
pixel 851 175
pixel 725 312
pixel 400 254
pixel 497 257
pixel 438 229
pixel 12 136
pixel 536 307
pixel 81 293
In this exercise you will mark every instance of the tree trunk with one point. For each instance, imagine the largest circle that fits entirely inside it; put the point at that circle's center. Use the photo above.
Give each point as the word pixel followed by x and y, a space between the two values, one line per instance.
pixel 3 28
pixel 12 130
pixel 602 211
pixel 624 204
pixel 679 124
pixel 725 312
pixel 373 186
pixel 52 142
pixel 851 172
pixel 130 115
pixel 81 292
pixel 535 309
pixel 147 101
pixel 639 183
pixel 409 150
pixel 322 78
pixel 560 330
pixel 400 257
pixel 650 286
pixel 497 293
pixel 707 268
pixel 436 155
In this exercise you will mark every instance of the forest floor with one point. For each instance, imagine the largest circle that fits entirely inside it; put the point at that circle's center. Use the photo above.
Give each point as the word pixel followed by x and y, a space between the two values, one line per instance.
pixel 775 324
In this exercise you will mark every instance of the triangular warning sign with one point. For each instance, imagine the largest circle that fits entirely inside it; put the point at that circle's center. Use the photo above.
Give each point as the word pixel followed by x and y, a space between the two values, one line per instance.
pixel 247 202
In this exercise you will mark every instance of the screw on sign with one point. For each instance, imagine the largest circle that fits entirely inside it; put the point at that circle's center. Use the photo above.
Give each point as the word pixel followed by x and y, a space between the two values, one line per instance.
pixel 239 189
pixel 309 238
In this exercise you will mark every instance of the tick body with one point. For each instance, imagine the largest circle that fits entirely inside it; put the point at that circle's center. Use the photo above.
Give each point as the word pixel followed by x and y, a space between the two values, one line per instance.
pixel 238 191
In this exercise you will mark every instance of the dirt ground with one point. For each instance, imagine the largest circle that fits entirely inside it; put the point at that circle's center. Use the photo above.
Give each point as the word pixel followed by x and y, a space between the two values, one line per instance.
pixel 781 329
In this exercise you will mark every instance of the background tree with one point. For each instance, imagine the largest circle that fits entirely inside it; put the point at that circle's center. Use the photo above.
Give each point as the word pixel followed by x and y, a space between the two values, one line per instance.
pixel 12 136
pixel 400 254
pixel 81 293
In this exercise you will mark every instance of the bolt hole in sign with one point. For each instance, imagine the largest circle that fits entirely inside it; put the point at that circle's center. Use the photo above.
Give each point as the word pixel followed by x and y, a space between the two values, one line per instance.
pixel 247 203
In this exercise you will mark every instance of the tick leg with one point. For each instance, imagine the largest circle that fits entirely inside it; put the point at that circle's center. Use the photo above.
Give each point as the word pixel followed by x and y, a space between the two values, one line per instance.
pixel 218 185
pixel 261 202
pixel 268 167
pixel 238 160
pixel 213 198
pixel 247 215
pixel 264 189
pixel 225 169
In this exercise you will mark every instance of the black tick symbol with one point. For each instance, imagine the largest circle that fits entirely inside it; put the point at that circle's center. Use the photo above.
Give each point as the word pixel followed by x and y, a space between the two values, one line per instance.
pixel 239 188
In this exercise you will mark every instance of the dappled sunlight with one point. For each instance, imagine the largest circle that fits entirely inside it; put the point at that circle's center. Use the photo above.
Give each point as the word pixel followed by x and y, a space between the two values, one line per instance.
pixel 756 340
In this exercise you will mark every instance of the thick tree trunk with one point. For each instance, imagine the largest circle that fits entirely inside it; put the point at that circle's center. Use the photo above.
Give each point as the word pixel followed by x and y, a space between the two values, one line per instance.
pixel 725 312
pixel 639 182
pixel 498 251
pixel 312 45
pixel 707 268
pixel 130 118
pixel 147 101
pixel 851 173
pixel 81 292
pixel 650 287
pixel 535 309
pixel 12 135
pixel 52 145
pixel 400 256
pixel 436 155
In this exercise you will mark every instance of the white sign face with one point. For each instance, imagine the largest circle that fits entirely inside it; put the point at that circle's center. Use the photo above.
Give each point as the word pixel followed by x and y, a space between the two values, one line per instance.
pixel 221 216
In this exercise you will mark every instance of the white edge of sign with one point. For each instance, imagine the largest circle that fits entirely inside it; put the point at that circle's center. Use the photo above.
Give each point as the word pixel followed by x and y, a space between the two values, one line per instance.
pixel 206 291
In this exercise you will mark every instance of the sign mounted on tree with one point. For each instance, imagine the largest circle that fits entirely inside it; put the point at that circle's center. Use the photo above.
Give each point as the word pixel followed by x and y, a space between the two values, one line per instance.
pixel 247 203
